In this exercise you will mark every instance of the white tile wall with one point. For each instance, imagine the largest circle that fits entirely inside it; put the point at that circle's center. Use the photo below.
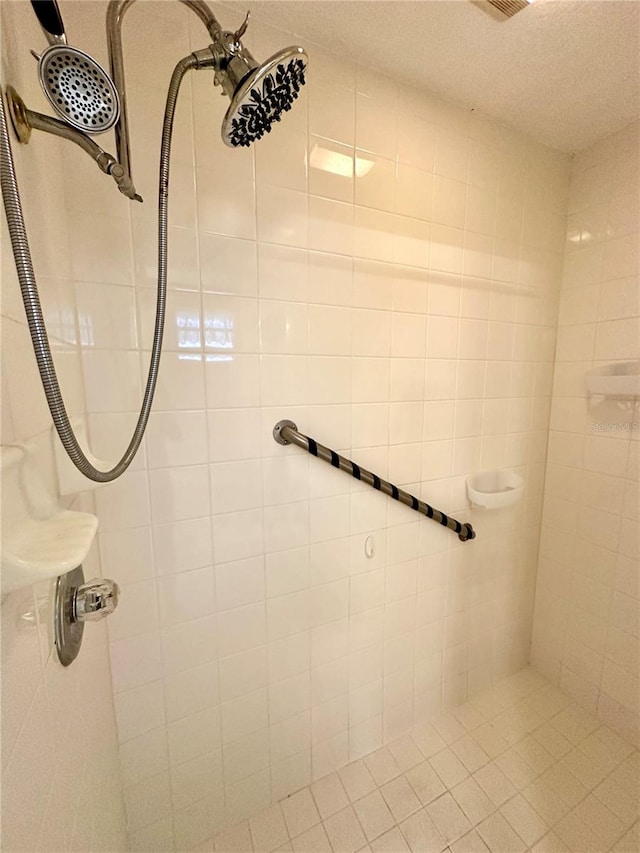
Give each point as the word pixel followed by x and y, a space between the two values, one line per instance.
pixel 377 271
pixel 586 628
pixel 61 786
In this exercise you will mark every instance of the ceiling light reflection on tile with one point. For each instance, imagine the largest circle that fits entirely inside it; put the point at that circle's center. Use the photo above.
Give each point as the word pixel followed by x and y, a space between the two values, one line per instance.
pixel 85 324
pixel 337 163
pixel 580 236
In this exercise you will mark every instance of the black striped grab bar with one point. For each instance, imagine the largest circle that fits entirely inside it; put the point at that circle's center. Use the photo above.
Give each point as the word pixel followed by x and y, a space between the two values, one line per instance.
pixel 286 432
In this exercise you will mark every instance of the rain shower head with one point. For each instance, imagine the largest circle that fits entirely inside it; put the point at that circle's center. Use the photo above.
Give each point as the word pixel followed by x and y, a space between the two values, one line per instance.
pixel 259 92
pixel 261 98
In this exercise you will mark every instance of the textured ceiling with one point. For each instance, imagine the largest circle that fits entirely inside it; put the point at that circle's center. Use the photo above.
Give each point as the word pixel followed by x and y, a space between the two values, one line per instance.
pixel 567 72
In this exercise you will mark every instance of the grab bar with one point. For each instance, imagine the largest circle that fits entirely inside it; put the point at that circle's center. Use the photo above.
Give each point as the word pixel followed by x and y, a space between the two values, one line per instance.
pixel 286 432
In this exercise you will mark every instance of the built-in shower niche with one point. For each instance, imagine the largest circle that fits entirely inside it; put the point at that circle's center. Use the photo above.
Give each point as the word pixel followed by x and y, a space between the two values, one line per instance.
pixel 40 540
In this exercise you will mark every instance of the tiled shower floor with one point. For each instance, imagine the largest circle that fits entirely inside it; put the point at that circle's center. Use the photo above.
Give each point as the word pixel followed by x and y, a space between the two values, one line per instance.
pixel 520 767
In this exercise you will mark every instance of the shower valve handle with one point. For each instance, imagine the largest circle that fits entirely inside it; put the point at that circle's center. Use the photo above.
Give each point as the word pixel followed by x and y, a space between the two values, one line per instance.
pixel 95 599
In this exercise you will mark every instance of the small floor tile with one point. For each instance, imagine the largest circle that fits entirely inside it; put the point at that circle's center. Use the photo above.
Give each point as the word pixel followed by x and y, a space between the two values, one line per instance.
pixel 495 784
pixel 550 843
pixel 314 840
pixel 448 767
pixel 573 832
pixel 490 740
pixel 421 833
pixel 499 836
pixel 428 740
pixel 448 727
pixel 448 817
pixel 472 800
pixel 564 785
pixel 535 755
pixel 545 801
pixel 630 841
pixel 516 769
pixel 425 782
pixel 621 802
pixel 234 840
pixel 357 780
pixel 374 815
pixel 401 798
pixel 345 832
pixel 300 812
pixel 552 740
pixel 406 753
pixel 468 715
pixel 575 724
pixel 268 829
pixel 329 795
pixel 586 770
pixel 469 843
pixel 382 766
pixel 391 842
pixel 470 753
pixel 524 819
pixel 600 820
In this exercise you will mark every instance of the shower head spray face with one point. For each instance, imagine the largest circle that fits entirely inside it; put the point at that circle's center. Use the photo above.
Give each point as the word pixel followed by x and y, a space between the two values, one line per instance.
pixel 263 95
pixel 79 89
pixel 76 86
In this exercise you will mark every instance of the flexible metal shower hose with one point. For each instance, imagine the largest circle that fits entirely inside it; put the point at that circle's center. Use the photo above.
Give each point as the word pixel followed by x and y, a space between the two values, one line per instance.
pixel 33 309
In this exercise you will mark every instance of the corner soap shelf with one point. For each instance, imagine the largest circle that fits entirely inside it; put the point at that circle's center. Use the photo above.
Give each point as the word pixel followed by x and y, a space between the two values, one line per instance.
pixel 621 380
pixel 494 489
pixel 40 540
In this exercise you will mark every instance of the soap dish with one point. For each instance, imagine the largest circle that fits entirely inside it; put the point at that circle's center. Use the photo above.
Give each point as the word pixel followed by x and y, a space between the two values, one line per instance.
pixel 39 539
pixel 494 489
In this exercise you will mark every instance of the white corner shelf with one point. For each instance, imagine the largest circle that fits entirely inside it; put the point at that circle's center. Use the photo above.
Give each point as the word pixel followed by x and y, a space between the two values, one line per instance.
pixel 621 380
pixel 39 539
pixel 494 489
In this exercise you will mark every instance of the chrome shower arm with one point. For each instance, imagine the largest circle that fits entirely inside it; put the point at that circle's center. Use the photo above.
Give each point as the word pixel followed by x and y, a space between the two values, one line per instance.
pixel 25 120
pixel 206 16
pixel 115 14
pixel 39 121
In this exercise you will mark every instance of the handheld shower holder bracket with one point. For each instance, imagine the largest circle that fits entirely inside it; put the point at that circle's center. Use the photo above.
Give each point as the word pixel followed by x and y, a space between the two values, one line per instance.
pixel 25 120
pixel 229 59
pixel 18 115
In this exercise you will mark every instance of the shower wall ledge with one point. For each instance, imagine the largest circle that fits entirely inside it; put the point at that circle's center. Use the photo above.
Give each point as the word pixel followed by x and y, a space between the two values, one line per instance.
pixel 40 540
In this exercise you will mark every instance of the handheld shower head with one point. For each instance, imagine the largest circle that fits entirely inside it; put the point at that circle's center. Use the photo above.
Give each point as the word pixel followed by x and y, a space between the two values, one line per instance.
pixel 75 85
pixel 263 95
pixel 79 89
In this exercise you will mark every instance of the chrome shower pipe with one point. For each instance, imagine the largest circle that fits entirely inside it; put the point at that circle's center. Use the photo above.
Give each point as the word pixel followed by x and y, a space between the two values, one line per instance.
pixel 33 308
pixel 115 15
